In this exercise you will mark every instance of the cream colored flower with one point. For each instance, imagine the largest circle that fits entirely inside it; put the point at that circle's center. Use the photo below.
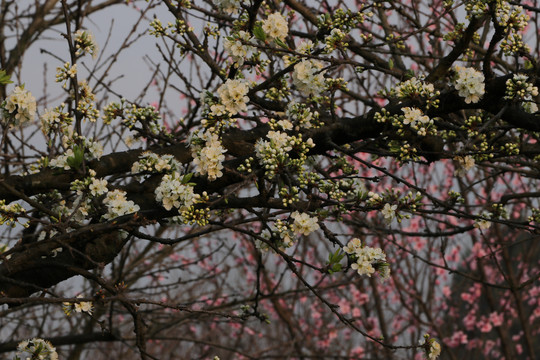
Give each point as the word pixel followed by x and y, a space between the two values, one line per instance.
pixel 276 27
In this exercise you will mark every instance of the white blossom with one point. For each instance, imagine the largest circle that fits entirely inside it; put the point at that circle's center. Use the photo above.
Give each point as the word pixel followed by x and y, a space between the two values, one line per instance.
pixel 83 306
pixel 389 212
pixel 238 46
pixel 172 193
pixel 308 77
pixel 469 83
pixel 233 95
pixel 276 26
pixel 209 158
pixel 98 187
pixel 365 257
pixel 118 205
pixel 303 223
pixel 20 106
pixel 229 6
pixel 37 349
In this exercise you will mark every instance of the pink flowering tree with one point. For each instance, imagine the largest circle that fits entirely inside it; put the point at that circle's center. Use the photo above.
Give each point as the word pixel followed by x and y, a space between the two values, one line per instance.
pixel 352 180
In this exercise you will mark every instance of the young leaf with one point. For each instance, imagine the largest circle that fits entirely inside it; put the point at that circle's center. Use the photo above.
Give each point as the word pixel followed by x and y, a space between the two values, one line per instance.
pixel 259 33
pixel 280 42
pixel 4 78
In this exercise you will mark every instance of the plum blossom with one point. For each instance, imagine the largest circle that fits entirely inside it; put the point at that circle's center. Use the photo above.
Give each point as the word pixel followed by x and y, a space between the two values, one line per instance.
pixel 276 26
pixel 118 205
pixel 365 257
pixel 308 77
pixel 389 212
pixel 233 95
pixel 209 158
pixel 303 223
pixel 85 43
pixel 431 346
pixel 20 106
pixel 229 6
pixel 171 192
pixel 469 83
pixel 238 46
pixel 37 349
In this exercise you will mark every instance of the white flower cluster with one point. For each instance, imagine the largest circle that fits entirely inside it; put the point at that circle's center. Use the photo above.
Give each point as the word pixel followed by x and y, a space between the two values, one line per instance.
pixel 172 192
pixel 432 347
pixel 519 89
pixel 335 40
pixel 153 163
pixel 98 187
pixel 61 161
pixel 483 224
pixel 365 257
pixel 476 8
pixel 416 119
pixel 301 114
pixel 415 88
pixel 308 77
pixel 209 158
pixel 303 223
pixel 233 95
pixel 305 47
pixel 511 17
pixel 272 153
pixel 20 106
pixel 282 236
pixel 37 349
pixel 63 74
pixel 10 212
pixel 465 163
pixel 276 26
pixel 55 119
pixel 91 184
pixel 118 205
pixel 469 83
pixel 85 43
pixel 80 307
pixel 389 212
pixel 86 189
pixel 238 46
pixel 87 106
pixel 229 6
pixel 92 150
pixel 146 117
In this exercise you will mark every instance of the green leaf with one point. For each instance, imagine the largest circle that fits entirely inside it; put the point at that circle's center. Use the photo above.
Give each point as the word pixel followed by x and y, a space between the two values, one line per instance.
pixel 76 160
pixel 333 261
pixel 4 78
pixel 280 42
pixel 390 64
pixel 259 33
pixel 186 178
